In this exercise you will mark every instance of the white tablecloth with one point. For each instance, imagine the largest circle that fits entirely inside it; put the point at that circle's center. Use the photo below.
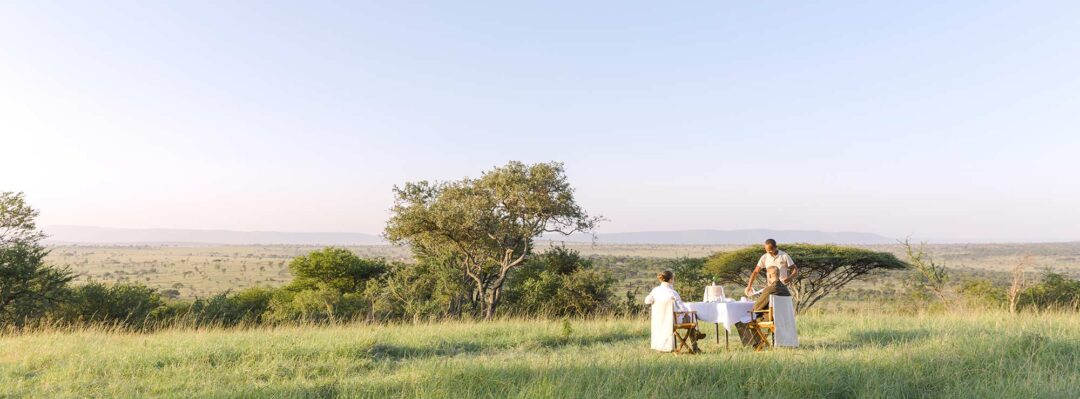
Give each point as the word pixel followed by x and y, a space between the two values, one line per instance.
pixel 726 313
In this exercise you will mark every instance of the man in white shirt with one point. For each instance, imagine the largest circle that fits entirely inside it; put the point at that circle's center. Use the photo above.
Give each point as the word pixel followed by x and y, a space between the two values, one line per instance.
pixel 773 260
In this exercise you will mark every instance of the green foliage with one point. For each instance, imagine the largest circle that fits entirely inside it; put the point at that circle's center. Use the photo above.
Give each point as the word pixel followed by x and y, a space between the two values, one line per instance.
pixel 28 287
pixel 690 277
pixel 427 289
pixel 559 282
pixel 1055 292
pixel 245 307
pixel 322 303
pixel 336 268
pixel 934 276
pixel 486 226
pixel 126 305
pixel 984 293
pixel 823 269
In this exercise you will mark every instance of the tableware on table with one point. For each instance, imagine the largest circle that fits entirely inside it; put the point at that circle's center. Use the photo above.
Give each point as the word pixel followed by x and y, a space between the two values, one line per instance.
pixel 714 293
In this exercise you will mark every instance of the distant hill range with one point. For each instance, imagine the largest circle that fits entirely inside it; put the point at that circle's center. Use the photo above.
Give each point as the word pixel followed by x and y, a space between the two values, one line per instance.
pixel 107 235
pixel 726 237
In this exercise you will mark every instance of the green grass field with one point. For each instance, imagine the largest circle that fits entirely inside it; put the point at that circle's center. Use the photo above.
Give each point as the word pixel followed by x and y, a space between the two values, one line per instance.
pixel 978 355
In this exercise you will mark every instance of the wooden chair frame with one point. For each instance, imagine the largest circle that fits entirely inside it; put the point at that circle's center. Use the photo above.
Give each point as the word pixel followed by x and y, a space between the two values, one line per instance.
pixel 688 328
pixel 765 329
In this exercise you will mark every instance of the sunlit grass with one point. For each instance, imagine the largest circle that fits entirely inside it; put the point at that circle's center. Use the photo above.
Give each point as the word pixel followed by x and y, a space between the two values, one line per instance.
pixel 986 354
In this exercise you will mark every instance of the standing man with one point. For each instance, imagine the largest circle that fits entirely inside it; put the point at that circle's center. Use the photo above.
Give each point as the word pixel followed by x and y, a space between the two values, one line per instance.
pixel 774 260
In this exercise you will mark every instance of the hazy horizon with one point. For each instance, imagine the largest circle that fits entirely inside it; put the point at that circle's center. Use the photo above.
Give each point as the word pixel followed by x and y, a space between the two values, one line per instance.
pixel 937 121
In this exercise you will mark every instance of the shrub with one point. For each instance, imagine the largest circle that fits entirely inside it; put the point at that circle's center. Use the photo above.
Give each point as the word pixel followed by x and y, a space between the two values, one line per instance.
pixel 127 305
pixel 1055 292
pixel 984 293
pixel 559 282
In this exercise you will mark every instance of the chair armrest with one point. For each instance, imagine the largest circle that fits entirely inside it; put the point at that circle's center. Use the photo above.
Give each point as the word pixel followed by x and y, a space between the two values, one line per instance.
pixel 692 313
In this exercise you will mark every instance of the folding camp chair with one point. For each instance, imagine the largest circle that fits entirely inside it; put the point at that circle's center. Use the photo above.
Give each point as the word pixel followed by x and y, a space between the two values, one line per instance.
pixel 686 322
pixel 782 309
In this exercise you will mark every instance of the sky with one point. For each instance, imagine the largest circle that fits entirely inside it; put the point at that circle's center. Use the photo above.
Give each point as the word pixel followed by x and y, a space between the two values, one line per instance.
pixel 947 120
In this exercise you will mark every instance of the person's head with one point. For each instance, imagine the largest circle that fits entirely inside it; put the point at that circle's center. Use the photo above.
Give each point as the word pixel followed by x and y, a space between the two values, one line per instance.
pixel 666 276
pixel 772 275
pixel 770 246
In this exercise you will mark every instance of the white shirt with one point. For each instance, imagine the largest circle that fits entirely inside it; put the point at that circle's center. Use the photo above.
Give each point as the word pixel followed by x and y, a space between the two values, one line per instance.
pixel 663 292
pixel 780 261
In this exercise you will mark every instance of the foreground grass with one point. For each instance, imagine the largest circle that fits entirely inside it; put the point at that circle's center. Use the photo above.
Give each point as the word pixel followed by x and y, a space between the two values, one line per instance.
pixel 956 355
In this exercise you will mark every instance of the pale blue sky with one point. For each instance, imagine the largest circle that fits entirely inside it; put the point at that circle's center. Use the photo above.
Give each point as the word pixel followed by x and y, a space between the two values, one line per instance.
pixel 953 119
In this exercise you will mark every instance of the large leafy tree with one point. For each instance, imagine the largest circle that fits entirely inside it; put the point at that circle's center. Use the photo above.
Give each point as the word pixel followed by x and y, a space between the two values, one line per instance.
pixel 823 269
pixel 27 286
pixel 487 226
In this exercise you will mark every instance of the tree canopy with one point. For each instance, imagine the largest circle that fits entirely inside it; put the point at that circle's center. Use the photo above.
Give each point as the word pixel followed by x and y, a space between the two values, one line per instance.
pixel 823 269
pixel 335 267
pixel 27 286
pixel 487 226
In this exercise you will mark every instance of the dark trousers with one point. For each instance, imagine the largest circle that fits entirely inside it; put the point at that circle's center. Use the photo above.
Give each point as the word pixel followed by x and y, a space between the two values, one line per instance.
pixel 746 330
pixel 762 303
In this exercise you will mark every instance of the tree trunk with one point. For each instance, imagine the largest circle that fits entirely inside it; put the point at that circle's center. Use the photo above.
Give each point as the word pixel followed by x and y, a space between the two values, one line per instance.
pixel 489 308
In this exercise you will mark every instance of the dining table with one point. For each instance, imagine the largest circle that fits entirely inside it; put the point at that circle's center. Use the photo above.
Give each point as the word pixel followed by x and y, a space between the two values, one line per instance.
pixel 723 312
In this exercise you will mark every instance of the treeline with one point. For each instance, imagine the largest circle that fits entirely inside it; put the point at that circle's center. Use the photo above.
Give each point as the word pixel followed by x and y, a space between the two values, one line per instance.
pixel 333 285
pixel 474 245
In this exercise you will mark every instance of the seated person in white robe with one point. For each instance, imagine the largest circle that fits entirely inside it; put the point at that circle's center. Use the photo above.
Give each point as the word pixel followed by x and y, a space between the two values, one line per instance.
pixel 665 300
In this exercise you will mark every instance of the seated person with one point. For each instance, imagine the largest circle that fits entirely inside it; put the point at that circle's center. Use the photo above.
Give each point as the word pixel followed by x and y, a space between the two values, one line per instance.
pixel 662 339
pixel 773 287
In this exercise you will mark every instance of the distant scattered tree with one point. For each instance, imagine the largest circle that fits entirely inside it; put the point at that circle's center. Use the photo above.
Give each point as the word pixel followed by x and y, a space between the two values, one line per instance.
pixel 487 226
pixel 1018 281
pixel 935 276
pixel 28 287
pixel 823 269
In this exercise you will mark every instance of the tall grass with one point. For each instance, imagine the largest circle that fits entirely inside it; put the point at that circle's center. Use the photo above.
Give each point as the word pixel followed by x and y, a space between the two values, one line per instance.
pixel 977 354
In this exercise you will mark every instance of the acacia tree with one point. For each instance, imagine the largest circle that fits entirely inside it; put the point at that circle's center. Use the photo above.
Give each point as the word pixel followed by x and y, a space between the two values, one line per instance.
pixel 487 226
pixel 27 286
pixel 823 269
pixel 336 267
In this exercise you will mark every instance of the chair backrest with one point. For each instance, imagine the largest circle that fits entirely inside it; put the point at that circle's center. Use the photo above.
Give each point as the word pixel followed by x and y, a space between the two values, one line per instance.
pixel 662 323
pixel 783 313
pixel 663 312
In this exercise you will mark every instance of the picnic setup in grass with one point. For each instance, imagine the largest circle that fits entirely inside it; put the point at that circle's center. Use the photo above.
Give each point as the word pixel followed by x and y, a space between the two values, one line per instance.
pixel 768 321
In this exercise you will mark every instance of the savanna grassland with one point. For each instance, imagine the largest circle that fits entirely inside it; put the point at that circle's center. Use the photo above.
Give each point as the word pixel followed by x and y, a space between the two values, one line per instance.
pixel 843 355
pixel 202 271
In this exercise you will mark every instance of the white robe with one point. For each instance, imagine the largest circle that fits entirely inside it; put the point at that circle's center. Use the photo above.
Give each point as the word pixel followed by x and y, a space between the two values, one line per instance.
pixel 664 301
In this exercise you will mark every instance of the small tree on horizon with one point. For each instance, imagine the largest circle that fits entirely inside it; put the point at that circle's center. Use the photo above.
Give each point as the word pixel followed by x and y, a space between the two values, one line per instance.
pixel 934 275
